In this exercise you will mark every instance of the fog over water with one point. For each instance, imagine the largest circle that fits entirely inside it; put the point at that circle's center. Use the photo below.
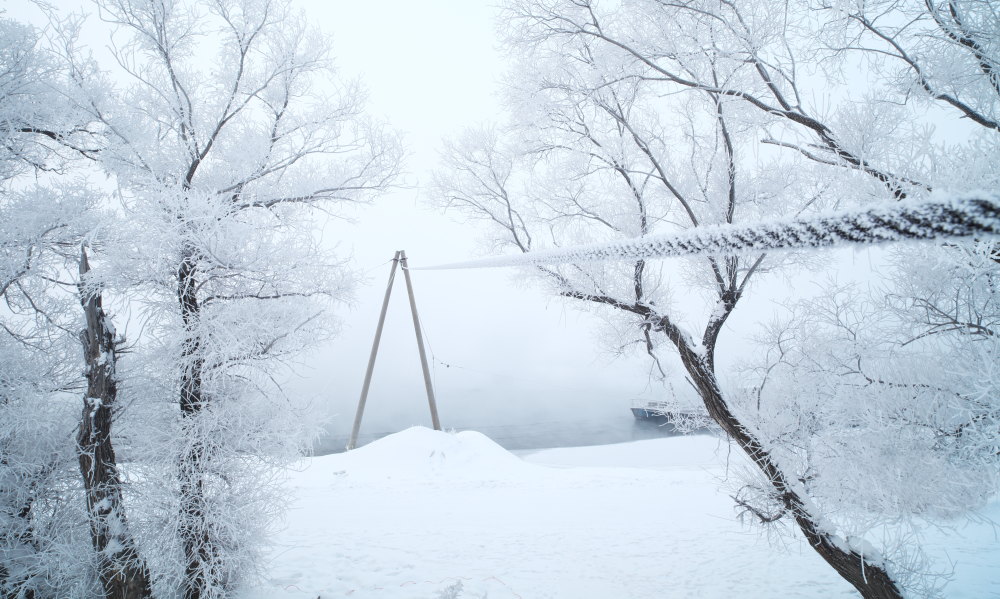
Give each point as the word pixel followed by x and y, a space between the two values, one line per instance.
pixel 537 435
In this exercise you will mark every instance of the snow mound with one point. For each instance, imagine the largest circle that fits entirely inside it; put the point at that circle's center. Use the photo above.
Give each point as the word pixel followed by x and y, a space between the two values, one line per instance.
pixel 420 450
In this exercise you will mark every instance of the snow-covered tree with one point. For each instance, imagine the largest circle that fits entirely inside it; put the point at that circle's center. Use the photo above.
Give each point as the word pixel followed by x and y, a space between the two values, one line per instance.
pixel 120 568
pixel 44 545
pixel 227 133
pixel 645 116
pixel 43 217
pixel 848 403
pixel 909 363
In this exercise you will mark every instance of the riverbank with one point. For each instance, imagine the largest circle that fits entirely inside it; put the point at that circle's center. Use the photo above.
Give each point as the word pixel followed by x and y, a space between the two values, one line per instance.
pixel 523 436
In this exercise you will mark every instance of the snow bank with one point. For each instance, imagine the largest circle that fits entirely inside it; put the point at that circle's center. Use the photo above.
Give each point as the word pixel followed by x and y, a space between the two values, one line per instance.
pixel 431 515
pixel 422 452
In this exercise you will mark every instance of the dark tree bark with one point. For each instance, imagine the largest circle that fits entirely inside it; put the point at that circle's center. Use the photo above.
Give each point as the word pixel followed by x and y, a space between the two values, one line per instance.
pixel 198 544
pixel 122 571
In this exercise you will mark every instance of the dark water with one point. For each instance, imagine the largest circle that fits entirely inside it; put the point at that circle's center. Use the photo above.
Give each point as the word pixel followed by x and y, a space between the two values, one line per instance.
pixel 536 435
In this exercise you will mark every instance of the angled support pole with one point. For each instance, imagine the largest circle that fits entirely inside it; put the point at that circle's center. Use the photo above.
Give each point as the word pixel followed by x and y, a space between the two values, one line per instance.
pixel 398 259
pixel 420 343
pixel 353 442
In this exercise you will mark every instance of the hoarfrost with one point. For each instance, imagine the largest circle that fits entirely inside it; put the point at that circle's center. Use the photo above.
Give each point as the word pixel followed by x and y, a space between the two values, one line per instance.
pixel 942 217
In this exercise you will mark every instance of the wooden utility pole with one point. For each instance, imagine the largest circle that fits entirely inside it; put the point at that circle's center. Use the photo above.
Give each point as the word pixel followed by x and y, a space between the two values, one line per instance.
pixel 399 258
pixel 420 343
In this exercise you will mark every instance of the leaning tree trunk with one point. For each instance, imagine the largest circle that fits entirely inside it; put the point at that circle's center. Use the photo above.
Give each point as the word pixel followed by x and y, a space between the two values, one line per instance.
pixel 871 580
pixel 122 572
pixel 195 538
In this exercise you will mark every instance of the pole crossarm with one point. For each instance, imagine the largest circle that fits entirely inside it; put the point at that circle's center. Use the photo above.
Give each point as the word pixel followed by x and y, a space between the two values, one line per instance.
pixel 976 216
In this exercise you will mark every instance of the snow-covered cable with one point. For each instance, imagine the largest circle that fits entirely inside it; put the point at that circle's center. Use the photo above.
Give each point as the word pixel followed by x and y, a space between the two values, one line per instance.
pixel 940 218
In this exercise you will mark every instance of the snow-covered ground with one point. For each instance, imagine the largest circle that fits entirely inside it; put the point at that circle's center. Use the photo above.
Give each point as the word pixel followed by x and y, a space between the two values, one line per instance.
pixel 425 514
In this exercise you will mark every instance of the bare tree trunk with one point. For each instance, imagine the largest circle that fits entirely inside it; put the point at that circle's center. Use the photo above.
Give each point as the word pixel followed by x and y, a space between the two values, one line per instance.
pixel 871 580
pixel 122 572
pixel 198 546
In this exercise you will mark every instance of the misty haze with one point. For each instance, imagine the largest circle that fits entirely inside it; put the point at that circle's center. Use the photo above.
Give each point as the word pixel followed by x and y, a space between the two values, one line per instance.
pixel 699 299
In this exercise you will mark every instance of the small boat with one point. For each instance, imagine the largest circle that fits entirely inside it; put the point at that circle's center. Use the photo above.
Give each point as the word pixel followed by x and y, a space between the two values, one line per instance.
pixel 668 416
pixel 651 410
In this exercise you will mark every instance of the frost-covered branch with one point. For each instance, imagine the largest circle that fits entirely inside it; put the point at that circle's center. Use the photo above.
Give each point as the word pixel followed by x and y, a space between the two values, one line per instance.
pixel 939 219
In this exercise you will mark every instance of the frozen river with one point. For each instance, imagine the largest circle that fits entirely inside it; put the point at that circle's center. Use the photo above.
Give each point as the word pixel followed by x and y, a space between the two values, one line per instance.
pixel 535 435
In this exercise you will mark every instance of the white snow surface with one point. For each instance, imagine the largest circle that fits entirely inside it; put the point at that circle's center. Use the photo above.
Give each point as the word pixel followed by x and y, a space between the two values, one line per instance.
pixel 427 514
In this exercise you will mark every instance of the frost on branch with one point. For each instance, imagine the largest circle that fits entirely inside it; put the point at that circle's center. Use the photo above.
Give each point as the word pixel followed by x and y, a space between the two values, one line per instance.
pixel 941 219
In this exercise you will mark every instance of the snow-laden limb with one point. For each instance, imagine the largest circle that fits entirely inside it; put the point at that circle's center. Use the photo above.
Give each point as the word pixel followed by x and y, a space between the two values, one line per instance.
pixel 862 381
pixel 944 217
